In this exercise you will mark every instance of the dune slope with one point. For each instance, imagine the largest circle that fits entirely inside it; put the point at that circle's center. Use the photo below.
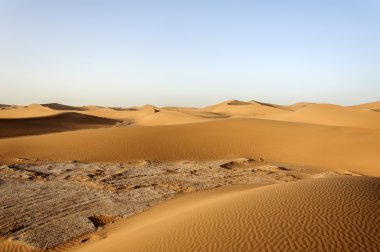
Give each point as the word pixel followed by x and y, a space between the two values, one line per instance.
pixel 328 114
pixel 240 108
pixel 330 214
pixel 33 110
pixel 294 143
pixel 371 105
pixel 13 127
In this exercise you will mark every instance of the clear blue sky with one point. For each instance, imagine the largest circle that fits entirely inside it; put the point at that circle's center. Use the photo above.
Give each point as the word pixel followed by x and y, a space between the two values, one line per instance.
pixel 122 53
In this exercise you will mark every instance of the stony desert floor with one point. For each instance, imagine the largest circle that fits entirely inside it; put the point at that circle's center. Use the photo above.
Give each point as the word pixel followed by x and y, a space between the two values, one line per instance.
pixel 235 176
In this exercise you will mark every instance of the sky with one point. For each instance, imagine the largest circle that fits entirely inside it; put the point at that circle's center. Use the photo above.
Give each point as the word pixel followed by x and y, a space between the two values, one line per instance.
pixel 189 53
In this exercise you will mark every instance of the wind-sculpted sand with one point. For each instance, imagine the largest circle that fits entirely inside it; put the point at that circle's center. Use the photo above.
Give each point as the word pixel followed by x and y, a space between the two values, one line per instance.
pixel 81 177
pixel 328 214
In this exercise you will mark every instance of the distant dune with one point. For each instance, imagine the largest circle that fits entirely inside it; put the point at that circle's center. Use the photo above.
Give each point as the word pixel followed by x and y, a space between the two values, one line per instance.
pixel 58 106
pixel 292 134
pixel 360 116
pixel 69 121
pixel 34 110
pixel 327 114
pixel 239 108
pixel 371 105
pixel 329 214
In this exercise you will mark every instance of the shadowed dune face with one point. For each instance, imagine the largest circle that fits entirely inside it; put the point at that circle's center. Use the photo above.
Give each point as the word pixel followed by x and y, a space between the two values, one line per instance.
pixel 58 106
pixel 14 127
pixel 330 214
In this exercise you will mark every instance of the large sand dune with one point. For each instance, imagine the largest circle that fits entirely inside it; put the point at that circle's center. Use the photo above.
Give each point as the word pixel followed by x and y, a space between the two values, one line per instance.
pixel 330 214
pixel 302 144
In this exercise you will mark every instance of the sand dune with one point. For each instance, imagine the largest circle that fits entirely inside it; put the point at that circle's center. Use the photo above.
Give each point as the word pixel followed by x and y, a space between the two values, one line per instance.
pixel 330 214
pixel 299 105
pixel 300 144
pixel 272 105
pixel 33 110
pixel 361 116
pixel 371 105
pixel 263 140
pixel 328 114
pixel 239 108
pixel 148 116
pixel 69 121
pixel 167 117
pixel 58 106
pixel 110 113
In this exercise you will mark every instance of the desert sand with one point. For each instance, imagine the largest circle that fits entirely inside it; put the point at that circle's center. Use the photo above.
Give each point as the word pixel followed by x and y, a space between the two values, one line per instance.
pixel 319 215
pixel 68 172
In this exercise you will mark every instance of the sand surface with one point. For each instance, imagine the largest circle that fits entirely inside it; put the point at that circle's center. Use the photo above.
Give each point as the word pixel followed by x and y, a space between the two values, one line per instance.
pixel 329 214
pixel 300 144
pixel 68 172
pixel 327 114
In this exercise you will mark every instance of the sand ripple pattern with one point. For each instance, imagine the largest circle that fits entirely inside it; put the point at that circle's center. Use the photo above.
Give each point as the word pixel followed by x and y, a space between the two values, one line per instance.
pixel 327 214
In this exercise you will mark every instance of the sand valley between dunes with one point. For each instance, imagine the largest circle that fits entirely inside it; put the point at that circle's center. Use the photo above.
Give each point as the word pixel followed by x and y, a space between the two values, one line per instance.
pixel 235 176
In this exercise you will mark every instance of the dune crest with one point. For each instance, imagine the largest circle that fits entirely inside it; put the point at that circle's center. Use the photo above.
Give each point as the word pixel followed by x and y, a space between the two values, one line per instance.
pixel 239 108
pixel 328 114
pixel 370 105
pixel 33 110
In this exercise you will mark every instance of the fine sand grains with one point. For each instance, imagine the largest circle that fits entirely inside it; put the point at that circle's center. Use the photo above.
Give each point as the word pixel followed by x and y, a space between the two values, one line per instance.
pixel 329 214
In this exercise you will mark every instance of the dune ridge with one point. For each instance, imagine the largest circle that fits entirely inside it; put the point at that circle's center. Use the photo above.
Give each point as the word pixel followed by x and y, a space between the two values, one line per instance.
pixel 33 110
pixel 360 116
pixel 370 105
pixel 240 108
pixel 328 114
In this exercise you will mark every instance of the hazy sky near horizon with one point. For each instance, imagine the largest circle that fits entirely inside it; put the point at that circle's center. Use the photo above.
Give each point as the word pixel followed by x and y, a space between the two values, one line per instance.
pixel 189 53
